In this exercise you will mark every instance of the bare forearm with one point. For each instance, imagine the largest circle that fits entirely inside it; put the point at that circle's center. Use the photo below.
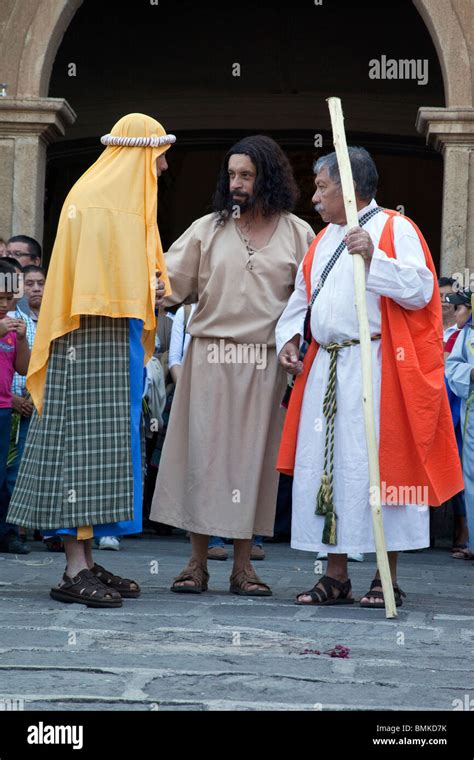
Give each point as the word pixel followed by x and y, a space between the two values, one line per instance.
pixel 296 339
pixel 174 371
pixel 22 357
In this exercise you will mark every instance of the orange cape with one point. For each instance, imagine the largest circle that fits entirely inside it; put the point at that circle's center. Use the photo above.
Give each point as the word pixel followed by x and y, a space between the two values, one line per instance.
pixel 417 440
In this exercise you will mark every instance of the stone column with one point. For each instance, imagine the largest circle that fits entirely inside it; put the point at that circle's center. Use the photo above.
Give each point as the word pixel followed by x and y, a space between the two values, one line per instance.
pixel 27 127
pixel 451 132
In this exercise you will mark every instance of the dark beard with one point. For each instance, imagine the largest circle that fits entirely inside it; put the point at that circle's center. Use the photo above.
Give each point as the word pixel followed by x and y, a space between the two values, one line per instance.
pixel 245 204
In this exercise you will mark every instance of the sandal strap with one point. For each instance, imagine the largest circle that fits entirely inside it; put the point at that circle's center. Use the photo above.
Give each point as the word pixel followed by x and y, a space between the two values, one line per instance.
pixel 379 593
pixel 375 582
pixel 317 594
pixel 329 583
pixel 343 586
pixel 91 585
pixel 375 594
pixel 398 591
pixel 193 572
pixel 109 579
pixel 185 576
pixel 244 577
pixel 326 592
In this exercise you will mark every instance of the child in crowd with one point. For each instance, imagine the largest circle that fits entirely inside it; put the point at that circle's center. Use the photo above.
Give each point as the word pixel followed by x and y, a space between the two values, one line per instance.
pixel 14 357
pixel 460 376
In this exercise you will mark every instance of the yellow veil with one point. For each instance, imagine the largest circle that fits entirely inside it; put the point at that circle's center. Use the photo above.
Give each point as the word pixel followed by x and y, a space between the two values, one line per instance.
pixel 107 249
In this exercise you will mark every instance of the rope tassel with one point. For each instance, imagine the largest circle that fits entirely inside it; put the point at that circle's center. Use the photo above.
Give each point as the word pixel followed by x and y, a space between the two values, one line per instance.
pixel 325 506
pixel 329 530
pixel 325 497
pixel 324 503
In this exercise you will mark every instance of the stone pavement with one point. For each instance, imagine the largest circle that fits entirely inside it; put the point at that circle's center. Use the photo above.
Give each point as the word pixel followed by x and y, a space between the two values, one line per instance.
pixel 215 651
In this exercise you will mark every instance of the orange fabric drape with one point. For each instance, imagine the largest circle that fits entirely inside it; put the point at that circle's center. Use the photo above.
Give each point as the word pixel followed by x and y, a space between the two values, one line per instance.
pixel 287 452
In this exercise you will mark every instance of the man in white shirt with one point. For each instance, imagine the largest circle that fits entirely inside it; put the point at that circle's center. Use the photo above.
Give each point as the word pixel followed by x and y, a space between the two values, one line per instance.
pixel 328 451
pixel 449 310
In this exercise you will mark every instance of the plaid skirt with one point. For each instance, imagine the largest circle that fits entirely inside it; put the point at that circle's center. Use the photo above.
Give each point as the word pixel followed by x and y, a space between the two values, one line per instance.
pixel 77 465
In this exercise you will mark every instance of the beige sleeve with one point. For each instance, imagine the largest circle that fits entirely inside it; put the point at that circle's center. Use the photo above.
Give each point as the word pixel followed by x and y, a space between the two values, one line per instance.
pixel 182 261
pixel 310 236
pixel 305 237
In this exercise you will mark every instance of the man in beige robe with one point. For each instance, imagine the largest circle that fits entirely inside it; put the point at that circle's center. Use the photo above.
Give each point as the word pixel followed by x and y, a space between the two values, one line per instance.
pixel 217 472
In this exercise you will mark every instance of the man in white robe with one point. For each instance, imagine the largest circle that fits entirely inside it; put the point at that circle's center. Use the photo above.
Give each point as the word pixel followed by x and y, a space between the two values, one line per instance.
pixel 409 282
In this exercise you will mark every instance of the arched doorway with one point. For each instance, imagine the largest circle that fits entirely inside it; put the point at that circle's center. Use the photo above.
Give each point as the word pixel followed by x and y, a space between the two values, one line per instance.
pixel 280 89
pixel 32 32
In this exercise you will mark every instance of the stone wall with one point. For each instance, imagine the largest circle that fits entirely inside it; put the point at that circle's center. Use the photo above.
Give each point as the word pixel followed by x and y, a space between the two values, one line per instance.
pixel 31 32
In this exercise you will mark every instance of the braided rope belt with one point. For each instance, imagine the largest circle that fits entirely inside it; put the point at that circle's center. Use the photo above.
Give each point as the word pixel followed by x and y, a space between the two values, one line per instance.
pixel 325 497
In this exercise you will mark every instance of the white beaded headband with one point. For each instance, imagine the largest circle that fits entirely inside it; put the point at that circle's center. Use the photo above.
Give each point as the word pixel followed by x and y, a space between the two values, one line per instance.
pixel 138 142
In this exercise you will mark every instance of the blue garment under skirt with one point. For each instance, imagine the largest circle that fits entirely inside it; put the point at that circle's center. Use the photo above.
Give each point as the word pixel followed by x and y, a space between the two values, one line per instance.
pixel 458 501
pixel 137 380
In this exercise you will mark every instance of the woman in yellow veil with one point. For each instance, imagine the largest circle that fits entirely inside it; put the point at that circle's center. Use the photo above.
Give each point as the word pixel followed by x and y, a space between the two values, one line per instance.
pixel 80 476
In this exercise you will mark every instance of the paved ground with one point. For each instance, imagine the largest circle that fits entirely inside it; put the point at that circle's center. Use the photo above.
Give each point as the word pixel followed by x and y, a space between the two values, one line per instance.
pixel 217 651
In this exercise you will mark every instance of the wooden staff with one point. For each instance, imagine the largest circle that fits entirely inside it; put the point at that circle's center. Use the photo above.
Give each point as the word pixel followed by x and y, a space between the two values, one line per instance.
pixel 347 183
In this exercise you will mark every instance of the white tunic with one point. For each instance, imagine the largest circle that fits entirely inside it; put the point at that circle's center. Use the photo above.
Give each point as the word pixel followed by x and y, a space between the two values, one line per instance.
pixel 409 282
pixel 180 338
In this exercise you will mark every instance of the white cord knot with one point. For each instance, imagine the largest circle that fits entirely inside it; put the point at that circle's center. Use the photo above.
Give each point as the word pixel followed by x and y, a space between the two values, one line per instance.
pixel 138 142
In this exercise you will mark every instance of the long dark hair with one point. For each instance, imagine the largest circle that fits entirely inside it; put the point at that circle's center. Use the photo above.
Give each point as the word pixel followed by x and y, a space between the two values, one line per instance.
pixel 275 189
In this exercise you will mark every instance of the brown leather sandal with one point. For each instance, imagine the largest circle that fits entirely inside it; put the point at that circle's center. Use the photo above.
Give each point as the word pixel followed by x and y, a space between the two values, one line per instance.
pixel 127 589
pixel 193 572
pixel 378 595
pixel 325 595
pixel 86 588
pixel 239 581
